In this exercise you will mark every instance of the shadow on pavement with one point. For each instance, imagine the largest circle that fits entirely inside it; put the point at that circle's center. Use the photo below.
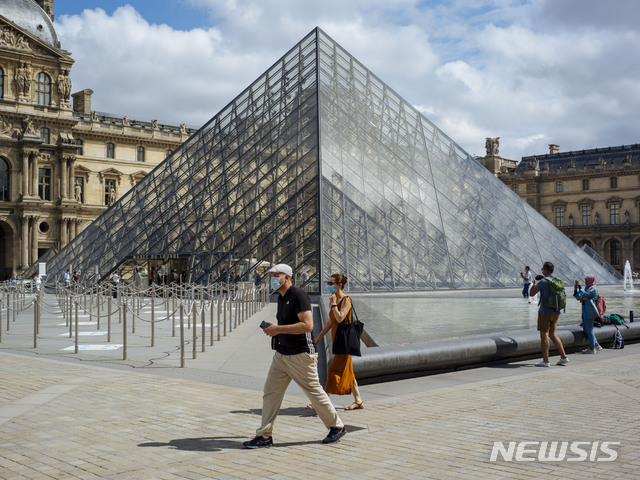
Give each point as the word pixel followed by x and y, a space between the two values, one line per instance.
pixel 213 444
pixel 291 411
pixel 205 444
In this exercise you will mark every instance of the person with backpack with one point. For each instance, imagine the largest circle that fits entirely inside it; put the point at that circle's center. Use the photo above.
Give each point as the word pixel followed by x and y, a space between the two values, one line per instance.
pixel 588 297
pixel 552 300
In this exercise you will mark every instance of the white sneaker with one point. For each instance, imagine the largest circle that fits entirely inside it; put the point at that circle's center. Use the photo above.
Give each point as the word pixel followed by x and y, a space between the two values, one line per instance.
pixel 542 363
pixel 563 361
pixel 598 348
pixel 588 351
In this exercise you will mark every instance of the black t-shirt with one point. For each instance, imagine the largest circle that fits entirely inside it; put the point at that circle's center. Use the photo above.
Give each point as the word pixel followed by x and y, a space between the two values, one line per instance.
pixel 294 301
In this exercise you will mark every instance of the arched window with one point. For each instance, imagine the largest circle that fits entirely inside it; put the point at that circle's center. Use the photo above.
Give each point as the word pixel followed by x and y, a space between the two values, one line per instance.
pixel 585 242
pixel 43 89
pixel 111 150
pixel 4 180
pixel 140 154
pixel 1 83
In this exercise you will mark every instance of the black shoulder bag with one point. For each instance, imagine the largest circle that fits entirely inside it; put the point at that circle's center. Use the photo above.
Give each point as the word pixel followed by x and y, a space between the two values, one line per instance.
pixel 347 341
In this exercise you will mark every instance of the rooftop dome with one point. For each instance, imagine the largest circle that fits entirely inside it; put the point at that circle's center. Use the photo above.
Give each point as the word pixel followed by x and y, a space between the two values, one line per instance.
pixel 28 15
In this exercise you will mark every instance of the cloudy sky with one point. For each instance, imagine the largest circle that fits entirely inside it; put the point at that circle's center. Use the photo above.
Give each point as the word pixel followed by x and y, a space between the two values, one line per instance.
pixel 532 72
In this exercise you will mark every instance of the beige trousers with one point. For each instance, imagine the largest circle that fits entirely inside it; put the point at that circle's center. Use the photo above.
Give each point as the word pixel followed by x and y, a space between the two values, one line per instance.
pixel 302 369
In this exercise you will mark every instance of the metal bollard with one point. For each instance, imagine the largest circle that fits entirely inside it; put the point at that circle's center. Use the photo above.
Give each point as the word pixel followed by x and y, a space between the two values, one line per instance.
pixel 203 323
pixel 76 337
pixel 173 318
pixel 153 324
pixel 109 308
pixel 124 333
pixel 181 336
pixel 195 329
pixel 35 324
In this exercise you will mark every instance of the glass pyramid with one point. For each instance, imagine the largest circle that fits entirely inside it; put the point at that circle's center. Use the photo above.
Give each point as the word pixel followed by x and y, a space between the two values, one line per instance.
pixel 320 165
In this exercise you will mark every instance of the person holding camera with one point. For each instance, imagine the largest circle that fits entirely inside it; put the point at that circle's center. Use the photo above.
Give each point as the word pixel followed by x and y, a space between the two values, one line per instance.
pixel 547 317
pixel 527 278
pixel 587 297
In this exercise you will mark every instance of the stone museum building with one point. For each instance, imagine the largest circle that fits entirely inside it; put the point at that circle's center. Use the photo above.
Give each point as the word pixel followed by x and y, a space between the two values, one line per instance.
pixel 592 196
pixel 62 164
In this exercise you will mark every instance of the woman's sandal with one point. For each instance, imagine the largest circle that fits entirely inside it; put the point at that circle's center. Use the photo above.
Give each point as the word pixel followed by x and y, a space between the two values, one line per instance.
pixel 310 407
pixel 355 406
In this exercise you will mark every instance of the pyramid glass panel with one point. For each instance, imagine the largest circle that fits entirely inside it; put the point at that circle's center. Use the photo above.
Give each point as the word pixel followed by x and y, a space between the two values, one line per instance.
pixel 321 165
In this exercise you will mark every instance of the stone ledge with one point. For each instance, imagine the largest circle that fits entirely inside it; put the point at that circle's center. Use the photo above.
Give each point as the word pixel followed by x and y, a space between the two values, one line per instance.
pixel 421 358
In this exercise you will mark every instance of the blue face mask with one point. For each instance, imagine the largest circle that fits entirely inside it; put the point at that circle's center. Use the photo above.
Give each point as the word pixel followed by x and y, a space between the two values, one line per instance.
pixel 275 283
pixel 331 289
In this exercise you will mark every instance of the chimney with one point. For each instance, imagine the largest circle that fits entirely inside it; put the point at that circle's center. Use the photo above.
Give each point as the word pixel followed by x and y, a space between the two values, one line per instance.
pixel 82 101
pixel 553 148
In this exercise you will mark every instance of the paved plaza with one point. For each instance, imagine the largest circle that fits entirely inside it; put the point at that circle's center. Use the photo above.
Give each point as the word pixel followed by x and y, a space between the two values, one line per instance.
pixel 93 415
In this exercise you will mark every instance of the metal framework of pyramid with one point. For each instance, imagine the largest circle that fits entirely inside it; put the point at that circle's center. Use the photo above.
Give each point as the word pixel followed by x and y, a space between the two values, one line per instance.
pixel 320 165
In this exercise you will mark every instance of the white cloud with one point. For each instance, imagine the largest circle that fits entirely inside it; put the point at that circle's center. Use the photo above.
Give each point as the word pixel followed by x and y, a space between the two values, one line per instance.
pixel 478 69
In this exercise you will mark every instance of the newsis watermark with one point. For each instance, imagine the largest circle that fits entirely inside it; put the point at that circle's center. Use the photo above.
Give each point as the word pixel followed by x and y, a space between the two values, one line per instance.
pixel 555 451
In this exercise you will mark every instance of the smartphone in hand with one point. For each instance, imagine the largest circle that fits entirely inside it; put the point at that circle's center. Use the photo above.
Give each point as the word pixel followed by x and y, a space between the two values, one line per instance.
pixel 264 325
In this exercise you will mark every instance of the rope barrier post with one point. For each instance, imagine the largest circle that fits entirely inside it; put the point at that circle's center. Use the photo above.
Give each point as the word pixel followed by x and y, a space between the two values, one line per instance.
pixel 15 303
pixel 219 305
pixel 195 333
pixel 202 321
pixel 153 324
pixel 224 320
pixel 98 307
pixel 109 308
pixel 35 324
pixel 181 336
pixel 210 320
pixel 133 314
pixel 173 317
pixel 37 300
pixel 76 337
pixel 70 317
pixel 124 333
pixel 8 312
pixel 119 302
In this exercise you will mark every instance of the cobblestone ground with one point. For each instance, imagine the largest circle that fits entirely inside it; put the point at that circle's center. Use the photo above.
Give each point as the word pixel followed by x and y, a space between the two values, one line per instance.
pixel 77 420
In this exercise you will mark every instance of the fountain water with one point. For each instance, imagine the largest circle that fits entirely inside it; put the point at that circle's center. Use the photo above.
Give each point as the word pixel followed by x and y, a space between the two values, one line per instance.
pixel 628 278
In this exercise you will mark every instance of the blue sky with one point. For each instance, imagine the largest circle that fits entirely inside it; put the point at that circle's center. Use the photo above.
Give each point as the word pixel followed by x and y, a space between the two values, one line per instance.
pixel 179 14
pixel 532 72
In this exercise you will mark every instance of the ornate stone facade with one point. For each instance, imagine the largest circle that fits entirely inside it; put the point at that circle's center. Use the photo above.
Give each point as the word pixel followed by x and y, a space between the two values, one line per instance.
pixel 61 163
pixel 592 196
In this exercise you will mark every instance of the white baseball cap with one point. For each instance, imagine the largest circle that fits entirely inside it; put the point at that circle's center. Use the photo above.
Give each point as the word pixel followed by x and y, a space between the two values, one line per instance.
pixel 282 268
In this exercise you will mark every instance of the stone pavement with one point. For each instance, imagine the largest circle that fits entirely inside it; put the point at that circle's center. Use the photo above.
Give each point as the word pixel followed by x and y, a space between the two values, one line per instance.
pixel 88 416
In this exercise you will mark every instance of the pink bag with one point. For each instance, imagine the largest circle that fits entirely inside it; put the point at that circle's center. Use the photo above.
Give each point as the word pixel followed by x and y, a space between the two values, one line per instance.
pixel 601 305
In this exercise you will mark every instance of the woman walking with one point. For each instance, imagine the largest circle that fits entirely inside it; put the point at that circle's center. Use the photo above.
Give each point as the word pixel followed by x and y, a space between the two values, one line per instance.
pixel 340 377
pixel 588 298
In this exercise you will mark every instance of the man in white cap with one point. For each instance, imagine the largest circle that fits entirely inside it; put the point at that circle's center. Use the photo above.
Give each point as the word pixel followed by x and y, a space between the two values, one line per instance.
pixel 295 359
